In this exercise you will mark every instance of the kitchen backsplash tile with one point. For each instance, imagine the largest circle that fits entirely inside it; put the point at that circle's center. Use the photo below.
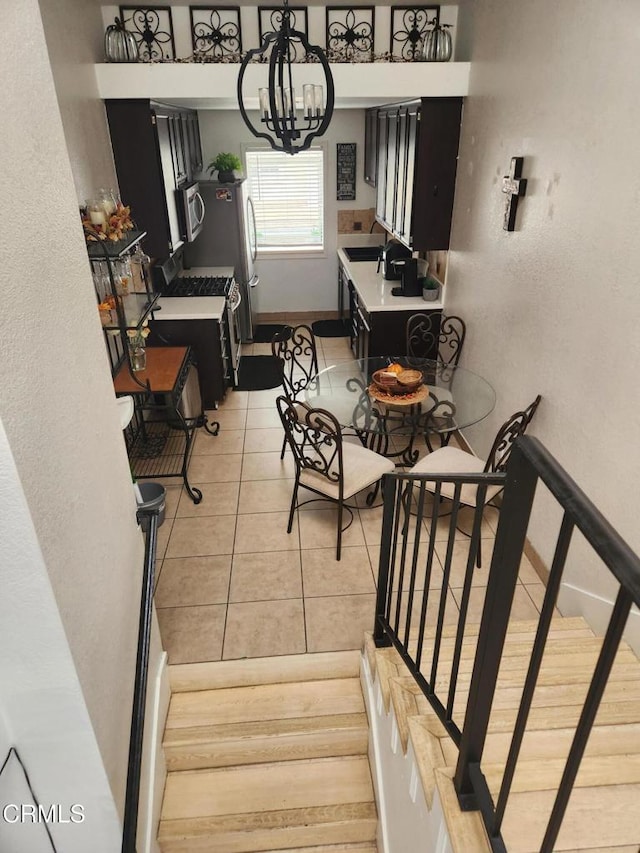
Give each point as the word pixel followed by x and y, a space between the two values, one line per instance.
pixel 357 221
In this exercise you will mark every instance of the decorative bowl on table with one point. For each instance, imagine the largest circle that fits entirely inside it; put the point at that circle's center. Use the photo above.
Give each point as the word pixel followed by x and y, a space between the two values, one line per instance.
pixel 403 381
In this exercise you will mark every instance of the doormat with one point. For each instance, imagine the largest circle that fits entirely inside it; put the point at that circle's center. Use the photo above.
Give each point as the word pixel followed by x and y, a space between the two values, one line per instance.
pixel 258 372
pixel 330 328
pixel 264 333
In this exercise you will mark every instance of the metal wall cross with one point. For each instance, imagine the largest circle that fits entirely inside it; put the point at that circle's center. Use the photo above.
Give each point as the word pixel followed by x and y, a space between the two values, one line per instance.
pixel 515 186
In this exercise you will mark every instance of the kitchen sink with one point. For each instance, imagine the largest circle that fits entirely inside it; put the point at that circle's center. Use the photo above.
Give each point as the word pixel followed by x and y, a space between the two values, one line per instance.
pixel 362 253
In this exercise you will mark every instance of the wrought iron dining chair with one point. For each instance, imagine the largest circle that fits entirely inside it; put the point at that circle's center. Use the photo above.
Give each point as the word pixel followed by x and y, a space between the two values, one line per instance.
pixel 326 465
pixel 424 337
pixel 453 460
pixel 296 348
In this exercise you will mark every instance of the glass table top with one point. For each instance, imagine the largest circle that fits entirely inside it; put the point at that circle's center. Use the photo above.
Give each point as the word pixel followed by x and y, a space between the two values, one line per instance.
pixel 453 397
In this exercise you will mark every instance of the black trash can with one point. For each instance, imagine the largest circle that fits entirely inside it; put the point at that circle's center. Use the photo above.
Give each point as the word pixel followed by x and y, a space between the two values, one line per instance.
pixel 153 498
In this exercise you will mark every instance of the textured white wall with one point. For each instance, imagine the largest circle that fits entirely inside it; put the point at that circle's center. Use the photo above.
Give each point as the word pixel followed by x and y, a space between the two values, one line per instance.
pixel 306 284
pixel 553 307
pixel 75 37
pixel 57 404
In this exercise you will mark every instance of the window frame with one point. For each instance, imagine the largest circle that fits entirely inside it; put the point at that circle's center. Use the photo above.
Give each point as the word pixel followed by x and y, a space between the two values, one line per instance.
pixel 284 252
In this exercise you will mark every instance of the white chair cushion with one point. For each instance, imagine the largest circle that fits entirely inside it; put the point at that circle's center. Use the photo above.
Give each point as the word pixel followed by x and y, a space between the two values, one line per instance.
pixel 452 460
pixel 362 467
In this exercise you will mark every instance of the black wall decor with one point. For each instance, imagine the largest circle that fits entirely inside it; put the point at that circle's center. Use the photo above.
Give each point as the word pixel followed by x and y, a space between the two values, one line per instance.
pixel 270 21
pixel 216 31
pixel 346 171
pixel 514 186
pixel 152 27
pixel 409 25
pixel 350 33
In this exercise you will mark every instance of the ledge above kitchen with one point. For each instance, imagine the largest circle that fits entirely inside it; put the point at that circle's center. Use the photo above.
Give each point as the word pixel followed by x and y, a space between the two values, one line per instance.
pixel 375 293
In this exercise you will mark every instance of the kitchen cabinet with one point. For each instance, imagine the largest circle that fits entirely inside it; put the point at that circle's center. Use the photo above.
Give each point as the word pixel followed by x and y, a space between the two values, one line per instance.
pixel 371 146
pixel 156 150
pixel 417 150
pixel 209 341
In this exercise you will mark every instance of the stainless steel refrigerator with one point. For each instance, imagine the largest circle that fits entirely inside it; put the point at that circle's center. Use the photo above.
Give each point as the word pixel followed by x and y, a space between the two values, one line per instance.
pixel 228 238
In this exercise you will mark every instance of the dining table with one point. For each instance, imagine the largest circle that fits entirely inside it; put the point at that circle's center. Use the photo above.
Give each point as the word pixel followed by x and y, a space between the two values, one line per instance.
pixel 449 398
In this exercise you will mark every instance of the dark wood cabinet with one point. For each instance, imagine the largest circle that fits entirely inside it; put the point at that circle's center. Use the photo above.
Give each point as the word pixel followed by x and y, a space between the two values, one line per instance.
pixel 417 147
pixel 206 339
pixel 371 146
pixel 156 149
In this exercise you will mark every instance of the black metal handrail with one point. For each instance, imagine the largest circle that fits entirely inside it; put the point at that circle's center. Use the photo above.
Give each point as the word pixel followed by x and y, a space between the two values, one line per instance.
pixel 132 796
pixel 405 497
pixel 403 564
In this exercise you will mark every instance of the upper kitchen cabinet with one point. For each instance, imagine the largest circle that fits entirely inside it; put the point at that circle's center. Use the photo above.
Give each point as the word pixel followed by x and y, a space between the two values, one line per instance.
pixel 417 149
pixel 371 146
pixel 156 150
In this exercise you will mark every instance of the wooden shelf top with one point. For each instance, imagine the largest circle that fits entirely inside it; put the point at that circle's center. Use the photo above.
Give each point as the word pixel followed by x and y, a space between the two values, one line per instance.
pixel 163 368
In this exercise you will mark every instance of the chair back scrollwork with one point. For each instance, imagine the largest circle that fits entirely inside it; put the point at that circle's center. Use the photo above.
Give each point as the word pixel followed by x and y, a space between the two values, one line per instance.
pixel 452 334
pixel 507 434
pixel 422 337
pixel 296 347
pixel 314 438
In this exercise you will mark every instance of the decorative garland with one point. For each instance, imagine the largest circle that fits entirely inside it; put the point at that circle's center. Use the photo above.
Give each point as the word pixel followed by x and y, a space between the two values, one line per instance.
pixel 333 56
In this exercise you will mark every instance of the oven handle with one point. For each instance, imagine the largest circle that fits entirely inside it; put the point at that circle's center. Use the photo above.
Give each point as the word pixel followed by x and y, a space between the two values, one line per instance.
pixel 202 209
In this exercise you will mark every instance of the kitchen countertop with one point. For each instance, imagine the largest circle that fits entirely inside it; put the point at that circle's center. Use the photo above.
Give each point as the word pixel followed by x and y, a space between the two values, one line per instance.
pixel 194 307
pixel 375 292
pixel 189 308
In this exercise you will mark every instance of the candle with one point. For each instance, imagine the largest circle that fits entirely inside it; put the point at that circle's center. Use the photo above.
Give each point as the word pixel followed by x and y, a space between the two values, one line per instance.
pixel 279 109
pixel 289 102
pixel 263 95
pixel 308 100
pixel 98 216
pixel 318 98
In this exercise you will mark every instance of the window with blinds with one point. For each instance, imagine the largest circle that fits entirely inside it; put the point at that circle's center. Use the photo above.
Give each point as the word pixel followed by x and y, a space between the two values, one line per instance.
pixel 288 197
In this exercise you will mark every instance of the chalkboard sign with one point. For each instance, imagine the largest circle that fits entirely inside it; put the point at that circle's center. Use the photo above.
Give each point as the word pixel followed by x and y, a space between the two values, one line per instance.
pixel 346 189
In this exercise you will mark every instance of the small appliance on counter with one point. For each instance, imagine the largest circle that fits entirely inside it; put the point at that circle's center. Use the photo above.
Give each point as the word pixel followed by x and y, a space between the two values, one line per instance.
pixel 392 251
pixel 410 285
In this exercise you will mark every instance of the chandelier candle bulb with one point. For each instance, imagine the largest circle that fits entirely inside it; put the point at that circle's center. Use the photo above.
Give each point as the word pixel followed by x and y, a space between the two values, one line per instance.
pixel 279 108
pixel 289 102
pixel 308 100
pixel 318 100
pixel 263 95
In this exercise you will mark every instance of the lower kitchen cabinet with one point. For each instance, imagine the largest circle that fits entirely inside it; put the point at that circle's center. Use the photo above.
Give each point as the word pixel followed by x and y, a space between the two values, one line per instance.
pixel 382 333
pixel 207 339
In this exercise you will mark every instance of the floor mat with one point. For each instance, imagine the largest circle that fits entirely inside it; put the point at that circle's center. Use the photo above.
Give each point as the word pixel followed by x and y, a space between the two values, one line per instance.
pixel 258 372
pixel 330 328
pixel 264 333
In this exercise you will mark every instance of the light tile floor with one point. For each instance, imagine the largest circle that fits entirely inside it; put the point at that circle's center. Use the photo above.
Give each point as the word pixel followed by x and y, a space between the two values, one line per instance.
pixel 231 583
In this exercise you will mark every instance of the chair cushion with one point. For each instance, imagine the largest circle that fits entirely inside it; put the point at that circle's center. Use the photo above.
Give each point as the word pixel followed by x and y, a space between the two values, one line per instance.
pixel 452 460
pixel 362 467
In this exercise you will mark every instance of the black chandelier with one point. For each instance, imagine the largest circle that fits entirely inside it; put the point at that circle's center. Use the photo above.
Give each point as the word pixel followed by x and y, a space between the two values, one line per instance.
pixel 289 131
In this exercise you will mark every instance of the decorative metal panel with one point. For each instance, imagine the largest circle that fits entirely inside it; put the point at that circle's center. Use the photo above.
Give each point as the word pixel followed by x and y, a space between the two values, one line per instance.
pixel 215 31
pixel 409 25
pixel 350 33
pixel 152 27
pixel 270 20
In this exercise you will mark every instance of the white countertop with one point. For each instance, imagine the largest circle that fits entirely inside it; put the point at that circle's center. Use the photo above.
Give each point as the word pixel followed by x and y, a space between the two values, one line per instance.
pixel 189 308
pixel 375 292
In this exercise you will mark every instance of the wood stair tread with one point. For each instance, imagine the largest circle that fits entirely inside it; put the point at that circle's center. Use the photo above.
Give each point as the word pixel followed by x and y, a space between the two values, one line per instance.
pixel 265 702
pixel 254 671
pixel 340 824
pixel 268 787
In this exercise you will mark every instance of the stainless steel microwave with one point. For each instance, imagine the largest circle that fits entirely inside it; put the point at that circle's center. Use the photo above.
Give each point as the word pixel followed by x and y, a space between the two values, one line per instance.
pixel 192 211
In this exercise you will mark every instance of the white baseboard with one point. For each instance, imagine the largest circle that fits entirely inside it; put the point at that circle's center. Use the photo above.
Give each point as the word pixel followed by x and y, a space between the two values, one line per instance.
pixel 154 770
pixel 574 601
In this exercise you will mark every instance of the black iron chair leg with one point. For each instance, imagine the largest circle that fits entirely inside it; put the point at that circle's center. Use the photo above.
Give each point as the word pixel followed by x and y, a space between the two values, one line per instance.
pixel 339 548
pixel 284 447
pixel 294 498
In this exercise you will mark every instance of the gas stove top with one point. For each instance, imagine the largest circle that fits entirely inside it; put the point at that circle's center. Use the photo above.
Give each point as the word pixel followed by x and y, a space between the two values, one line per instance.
pixel 197 285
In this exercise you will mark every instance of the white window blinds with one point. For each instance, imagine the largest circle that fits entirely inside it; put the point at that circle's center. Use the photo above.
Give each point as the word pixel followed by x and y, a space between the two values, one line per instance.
pixel 288 196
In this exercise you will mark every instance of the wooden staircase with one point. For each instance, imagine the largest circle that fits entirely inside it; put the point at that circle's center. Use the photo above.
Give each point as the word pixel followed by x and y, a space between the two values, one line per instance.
pixel 268 754
pixel 603 813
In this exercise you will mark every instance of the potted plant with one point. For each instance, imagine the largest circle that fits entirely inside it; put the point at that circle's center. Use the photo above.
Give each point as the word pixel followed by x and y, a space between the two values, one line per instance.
pixel 430 288
pixel 225 164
